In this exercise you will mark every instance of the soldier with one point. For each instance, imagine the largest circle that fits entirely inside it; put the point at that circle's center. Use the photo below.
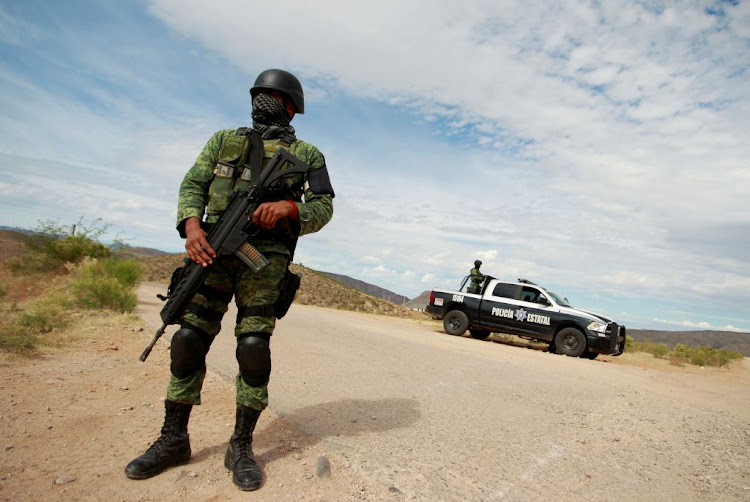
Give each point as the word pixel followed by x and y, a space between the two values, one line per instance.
pixel 276 97
pixel 476 278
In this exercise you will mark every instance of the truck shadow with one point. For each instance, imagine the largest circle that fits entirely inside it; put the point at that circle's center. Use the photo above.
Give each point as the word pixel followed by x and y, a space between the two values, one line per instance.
pixel 504 339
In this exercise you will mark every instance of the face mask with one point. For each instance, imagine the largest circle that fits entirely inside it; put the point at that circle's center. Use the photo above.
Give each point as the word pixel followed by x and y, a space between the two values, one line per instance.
pixel 268 111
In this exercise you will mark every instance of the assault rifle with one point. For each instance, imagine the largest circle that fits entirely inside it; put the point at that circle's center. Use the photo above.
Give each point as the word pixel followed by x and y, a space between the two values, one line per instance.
pixel 228 236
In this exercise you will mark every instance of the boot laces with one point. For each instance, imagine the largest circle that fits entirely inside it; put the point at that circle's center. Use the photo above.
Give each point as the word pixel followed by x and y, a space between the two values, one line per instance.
pixel 169 433
pixel 244 440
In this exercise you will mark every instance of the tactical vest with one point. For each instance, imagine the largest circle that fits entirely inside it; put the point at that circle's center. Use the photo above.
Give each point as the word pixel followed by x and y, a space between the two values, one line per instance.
pixel 233 171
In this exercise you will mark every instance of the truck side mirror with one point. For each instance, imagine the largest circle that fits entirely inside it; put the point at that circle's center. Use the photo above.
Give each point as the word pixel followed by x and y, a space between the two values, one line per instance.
pixel 543 300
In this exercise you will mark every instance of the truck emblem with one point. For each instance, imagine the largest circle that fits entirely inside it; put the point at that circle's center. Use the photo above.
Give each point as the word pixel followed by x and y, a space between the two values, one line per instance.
pixel 520 315
pixel 458 298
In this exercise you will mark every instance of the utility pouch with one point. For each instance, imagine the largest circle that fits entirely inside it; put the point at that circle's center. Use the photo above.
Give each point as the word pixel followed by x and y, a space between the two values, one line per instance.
pixel 174 281
pixel 287 290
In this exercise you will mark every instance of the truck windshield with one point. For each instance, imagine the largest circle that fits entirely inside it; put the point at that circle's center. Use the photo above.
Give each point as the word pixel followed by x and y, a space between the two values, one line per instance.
pixel 559 299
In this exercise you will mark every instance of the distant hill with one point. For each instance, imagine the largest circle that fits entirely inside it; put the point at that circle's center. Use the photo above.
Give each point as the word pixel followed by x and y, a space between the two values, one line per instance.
pixel 419 302
pixel 368 288
pixel 725 340
pixel 139 252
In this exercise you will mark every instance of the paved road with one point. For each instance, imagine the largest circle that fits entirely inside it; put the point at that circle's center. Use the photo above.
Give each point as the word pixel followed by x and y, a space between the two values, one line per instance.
pixel 446 418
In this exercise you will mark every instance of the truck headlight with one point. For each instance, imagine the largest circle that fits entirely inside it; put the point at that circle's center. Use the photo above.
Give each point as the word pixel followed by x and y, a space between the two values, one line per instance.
pixel 598 327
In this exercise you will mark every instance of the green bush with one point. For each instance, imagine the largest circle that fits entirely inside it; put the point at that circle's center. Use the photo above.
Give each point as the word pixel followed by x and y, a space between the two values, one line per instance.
pixel 127 272
pixel 47 313
pixel 681 354
pixel 658 350
pixel 27 329
pixel 75 248
pixel 704 356
pixel 106 284
pixel 14 338
pixel 49 246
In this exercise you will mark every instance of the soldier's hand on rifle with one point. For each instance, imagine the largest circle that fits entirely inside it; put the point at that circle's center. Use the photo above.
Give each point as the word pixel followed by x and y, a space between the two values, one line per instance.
pixel 269 213
pixel 196 245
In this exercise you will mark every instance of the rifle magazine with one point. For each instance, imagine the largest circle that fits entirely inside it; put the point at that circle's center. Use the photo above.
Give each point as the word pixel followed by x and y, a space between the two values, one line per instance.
pixel 251 257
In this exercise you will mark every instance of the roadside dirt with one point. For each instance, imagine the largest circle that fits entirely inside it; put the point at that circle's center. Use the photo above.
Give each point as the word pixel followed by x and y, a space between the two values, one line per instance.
pixel 72 418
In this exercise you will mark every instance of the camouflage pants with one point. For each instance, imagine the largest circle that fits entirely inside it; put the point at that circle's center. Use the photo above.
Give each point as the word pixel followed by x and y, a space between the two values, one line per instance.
pixel 231 276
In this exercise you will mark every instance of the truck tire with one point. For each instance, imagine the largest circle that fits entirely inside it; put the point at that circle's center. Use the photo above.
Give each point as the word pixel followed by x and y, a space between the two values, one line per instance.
pixel 571 342
pixel 480 334
pixel 455 323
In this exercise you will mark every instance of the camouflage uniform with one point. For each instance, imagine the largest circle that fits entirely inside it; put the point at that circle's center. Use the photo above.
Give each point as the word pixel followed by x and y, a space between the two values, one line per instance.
pixel 201 192
pixel 476 280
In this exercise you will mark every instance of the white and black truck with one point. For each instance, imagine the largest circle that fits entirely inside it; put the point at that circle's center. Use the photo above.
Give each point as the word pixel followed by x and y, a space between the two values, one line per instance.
pixel 525 309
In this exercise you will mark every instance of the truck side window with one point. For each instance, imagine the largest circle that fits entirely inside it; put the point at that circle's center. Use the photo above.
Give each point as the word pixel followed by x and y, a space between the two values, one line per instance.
pixel 529 294
pixel 505 290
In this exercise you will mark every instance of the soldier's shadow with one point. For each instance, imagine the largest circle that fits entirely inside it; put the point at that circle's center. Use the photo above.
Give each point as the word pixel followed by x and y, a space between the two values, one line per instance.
pixel 297 429
pixel 346 417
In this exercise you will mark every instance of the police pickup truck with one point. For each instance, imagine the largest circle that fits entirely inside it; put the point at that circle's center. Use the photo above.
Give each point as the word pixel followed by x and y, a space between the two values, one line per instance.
pixel 530 311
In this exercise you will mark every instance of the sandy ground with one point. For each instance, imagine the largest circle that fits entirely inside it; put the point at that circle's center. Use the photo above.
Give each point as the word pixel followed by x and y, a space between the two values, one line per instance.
pixel 72 419
pixel 371 401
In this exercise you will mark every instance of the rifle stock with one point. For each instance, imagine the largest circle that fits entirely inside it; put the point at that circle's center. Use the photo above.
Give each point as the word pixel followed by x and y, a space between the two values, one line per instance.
pixel 229 236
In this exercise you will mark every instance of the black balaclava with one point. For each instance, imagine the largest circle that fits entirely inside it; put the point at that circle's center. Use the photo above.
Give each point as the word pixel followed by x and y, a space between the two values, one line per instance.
pixel 270 117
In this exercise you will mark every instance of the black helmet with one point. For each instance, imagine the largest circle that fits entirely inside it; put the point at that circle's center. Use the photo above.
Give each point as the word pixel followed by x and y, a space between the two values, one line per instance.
pixel 284 82
pixel 477 263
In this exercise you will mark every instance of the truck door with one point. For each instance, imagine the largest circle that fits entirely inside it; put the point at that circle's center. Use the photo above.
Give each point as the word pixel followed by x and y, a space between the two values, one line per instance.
pixel 497 309
pixel 538 312
pixel 513 308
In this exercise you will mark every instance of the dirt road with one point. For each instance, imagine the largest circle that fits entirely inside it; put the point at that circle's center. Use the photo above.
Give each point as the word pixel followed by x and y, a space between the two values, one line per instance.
pixel 402 412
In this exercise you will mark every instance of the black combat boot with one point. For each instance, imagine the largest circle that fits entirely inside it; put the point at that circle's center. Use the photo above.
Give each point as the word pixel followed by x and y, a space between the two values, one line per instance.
pixel 246 472
pixel 171 448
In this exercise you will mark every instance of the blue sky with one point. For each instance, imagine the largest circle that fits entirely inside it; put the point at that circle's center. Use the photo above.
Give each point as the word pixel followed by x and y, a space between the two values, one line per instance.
pixel 598 148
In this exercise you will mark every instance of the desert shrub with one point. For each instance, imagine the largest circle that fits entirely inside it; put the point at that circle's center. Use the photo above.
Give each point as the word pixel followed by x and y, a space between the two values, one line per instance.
pixel 49 246
pixel 658 350
pixel 127 272
pixel 105 284
pixel 704 356
pixel 75 248
pixel 26 329
pixel 14 338
pixel 45 314
pixel 682 354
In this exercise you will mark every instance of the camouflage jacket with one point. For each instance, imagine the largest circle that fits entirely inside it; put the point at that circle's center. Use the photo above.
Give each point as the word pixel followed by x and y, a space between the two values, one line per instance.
pixel 199 186
pixel 476 277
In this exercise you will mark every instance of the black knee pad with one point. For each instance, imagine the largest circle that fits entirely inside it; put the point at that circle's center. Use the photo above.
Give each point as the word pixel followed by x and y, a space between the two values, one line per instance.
pixel 254 357
pixel 188 351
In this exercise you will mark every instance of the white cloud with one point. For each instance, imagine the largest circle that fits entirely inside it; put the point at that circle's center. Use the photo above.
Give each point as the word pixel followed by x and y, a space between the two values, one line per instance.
pixel 578 143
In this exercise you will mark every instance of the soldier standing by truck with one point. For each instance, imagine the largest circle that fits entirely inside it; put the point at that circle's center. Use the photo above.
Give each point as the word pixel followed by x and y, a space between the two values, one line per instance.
pixel 232 160
pixel 476 278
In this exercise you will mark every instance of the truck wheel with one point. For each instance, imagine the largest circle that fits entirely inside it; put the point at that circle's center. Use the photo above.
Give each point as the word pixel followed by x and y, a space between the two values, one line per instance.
pixel 480 334
pixel 571 342
pixel 455 323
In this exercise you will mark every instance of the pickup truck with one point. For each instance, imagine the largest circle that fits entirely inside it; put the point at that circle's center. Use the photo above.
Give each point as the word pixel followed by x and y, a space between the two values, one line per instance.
pixel 525 309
